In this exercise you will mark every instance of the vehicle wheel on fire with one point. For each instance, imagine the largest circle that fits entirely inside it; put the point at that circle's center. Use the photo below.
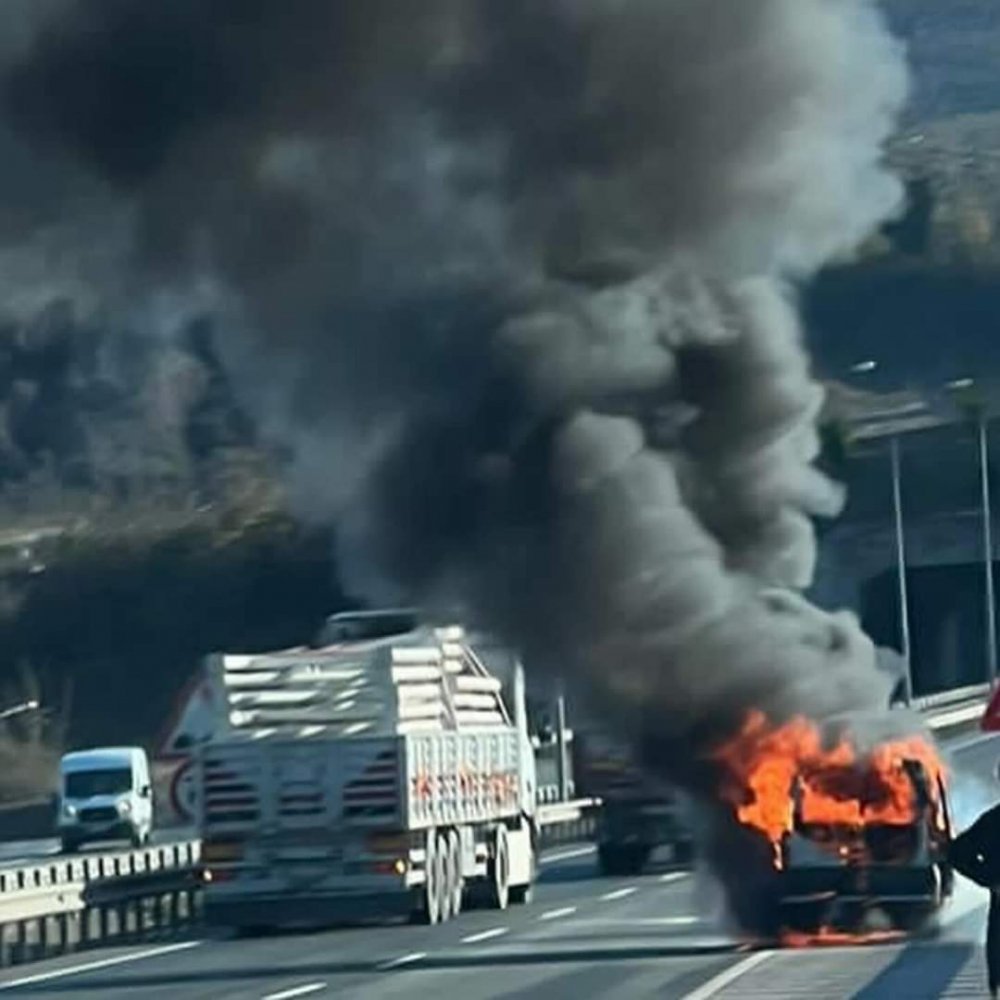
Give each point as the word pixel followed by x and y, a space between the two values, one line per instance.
pixel 500 871
pixel 804 917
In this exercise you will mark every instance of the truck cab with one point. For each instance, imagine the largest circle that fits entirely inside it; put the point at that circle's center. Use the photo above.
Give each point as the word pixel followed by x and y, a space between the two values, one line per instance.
pixel 104 794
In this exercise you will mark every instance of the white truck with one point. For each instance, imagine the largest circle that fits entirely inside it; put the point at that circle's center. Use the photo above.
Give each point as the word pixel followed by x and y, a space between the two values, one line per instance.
pixel 379 775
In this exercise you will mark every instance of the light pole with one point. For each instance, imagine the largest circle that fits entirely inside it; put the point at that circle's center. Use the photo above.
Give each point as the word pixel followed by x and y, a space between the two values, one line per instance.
pixel 865 367
pixel 904 607
pixel 978 407
pixel 991 608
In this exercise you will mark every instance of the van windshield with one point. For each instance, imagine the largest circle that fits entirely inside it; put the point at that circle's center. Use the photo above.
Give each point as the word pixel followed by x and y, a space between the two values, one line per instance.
pixel 111 781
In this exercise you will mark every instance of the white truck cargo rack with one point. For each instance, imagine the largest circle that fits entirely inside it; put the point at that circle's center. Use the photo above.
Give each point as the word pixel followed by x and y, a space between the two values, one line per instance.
pixel 428 681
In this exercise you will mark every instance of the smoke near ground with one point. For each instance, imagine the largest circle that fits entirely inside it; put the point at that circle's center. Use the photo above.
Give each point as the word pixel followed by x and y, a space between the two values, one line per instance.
pixel 514 283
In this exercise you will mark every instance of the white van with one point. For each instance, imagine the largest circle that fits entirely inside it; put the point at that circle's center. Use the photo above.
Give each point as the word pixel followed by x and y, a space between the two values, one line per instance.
pixel 104 794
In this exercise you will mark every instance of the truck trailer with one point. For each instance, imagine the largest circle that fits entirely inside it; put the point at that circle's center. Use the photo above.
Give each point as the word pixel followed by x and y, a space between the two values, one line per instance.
pixel 386 773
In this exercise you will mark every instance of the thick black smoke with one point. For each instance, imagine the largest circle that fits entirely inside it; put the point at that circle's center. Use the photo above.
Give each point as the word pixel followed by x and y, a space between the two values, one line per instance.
pixel 514 282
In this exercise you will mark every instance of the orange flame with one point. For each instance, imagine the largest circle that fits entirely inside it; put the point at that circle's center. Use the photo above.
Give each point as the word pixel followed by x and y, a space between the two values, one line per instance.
pixel 834 939
pixel 836 788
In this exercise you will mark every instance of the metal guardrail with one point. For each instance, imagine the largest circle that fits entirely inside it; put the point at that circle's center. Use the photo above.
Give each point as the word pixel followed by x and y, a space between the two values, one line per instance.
pixel 952 697
pixel 64 904
pixel 566 822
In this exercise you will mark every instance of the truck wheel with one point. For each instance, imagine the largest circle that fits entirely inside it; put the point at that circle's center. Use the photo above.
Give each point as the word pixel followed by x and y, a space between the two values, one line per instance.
pixel 444 878
pixel 609 860
pixel 68 846
pixel 636 860
pixel 456 883
pixel 912 918
pixel 428 910
pixel 500 871
pixel 684 852
pixel 522 894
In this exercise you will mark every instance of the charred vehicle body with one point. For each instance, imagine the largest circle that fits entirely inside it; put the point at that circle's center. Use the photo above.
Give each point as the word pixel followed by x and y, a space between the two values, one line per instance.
pixel 873 863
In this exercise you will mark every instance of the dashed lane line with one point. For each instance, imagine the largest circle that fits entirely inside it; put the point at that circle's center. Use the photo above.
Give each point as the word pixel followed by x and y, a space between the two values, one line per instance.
pixel 397 963
pixel 619 893
pixel 296 991
pixel 563 911
pixel 493 932
pixel 673 876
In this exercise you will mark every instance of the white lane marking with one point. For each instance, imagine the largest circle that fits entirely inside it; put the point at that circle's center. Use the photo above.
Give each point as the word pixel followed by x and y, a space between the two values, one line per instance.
pixel 674 876
pixel 414 956
pixel 718 983
pixel 576 852
pixel 296 991
pixel 493 932
pixel 619 893
pixel 563 911
pixel 103 963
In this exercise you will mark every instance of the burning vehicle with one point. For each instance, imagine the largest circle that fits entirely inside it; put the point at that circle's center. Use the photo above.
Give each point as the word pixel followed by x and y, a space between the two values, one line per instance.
pixel 858 841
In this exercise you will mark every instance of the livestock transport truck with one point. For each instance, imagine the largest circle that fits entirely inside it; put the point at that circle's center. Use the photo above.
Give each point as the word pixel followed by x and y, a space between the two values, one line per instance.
pixel 373 777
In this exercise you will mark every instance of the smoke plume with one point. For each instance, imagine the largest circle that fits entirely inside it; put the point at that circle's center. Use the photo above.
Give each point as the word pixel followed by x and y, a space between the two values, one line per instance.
pixel 515 283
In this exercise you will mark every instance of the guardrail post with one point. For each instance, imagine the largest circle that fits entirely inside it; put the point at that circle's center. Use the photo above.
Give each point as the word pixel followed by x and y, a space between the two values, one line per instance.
pixel 17 949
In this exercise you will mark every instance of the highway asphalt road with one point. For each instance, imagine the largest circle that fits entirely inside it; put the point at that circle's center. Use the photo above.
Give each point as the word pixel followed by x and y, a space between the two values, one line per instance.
pixel 653 936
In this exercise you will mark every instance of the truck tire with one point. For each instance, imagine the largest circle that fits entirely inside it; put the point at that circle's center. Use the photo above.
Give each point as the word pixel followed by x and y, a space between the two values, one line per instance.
pixel 609 860
pixel 428 910
pixel 68 846
pixel 499 871
pixel 523 894
pixel 684 852
pixel 614 859
pixel 445 879
pixel 456 883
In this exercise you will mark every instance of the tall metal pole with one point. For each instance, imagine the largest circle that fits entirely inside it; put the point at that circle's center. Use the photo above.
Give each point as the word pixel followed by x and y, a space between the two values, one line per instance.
pixel 562 763
pixel 904 608
pixel 991 608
